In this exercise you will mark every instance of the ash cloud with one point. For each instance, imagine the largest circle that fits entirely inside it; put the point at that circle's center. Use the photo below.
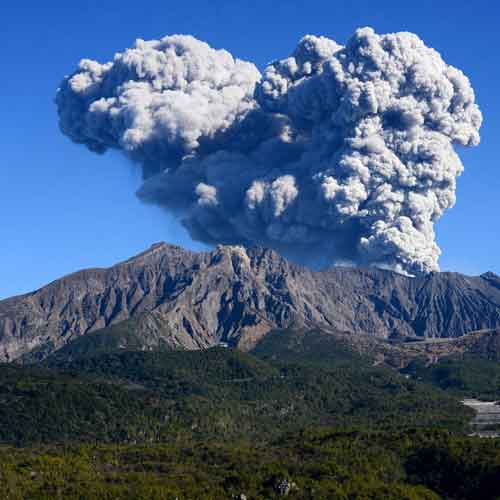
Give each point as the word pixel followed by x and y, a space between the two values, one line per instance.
pixel 334 154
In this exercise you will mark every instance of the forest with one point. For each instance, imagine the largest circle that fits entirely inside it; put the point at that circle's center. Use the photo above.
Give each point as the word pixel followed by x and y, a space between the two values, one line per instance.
pixel 305 418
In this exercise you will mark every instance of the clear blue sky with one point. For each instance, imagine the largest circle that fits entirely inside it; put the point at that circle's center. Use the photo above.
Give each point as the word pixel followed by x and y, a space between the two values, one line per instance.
pixel 63 208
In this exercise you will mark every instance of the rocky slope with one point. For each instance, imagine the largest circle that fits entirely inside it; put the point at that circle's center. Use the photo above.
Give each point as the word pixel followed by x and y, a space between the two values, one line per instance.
pixel 195 300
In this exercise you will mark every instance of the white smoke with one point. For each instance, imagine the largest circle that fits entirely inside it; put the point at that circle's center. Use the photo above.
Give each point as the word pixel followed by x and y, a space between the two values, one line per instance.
pixel 334 153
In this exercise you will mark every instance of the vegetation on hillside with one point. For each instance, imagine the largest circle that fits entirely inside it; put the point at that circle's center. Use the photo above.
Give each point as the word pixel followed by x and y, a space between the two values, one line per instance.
pixel 469 376
pixel 219 393
pixel 301 413
pixel 43 406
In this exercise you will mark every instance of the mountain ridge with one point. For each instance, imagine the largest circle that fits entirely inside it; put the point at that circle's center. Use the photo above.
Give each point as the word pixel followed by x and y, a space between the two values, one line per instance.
pixel 237 295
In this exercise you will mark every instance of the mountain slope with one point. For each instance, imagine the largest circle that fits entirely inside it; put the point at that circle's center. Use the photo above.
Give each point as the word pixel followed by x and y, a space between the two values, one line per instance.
pixel 182 299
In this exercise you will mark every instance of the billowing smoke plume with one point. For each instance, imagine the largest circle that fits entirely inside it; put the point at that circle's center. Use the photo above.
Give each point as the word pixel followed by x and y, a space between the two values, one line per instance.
pixel 334 153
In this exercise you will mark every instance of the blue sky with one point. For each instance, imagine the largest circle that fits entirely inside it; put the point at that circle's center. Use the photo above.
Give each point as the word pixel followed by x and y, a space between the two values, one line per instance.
pixel 63 208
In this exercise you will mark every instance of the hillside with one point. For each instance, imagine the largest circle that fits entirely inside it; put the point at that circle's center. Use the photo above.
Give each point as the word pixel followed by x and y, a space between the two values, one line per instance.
pixel 307 416
pixel 129 396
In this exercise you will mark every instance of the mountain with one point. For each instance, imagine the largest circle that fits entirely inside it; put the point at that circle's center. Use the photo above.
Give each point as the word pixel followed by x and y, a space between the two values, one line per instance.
pixel 177 299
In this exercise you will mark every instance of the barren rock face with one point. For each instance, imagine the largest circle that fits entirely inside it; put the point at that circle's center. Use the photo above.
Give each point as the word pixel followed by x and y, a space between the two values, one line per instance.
pixel 236 295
